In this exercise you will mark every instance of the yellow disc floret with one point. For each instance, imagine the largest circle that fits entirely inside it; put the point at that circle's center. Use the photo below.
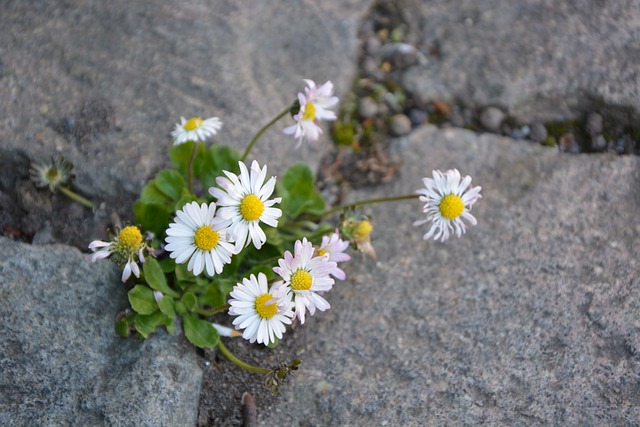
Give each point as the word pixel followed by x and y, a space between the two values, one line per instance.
pixel 130 237
pixel 251 207
pixel 321 252
pixel 206 238
pixel 309 112
pixel 301 280
pixel 263 310
pixel 451 206
pixel 193 124
pixel 362 231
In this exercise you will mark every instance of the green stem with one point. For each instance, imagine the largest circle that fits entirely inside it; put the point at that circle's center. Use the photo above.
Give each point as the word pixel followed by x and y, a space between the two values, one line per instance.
pixel 211 311
pixel 224 350
pixel 190 167
pixel 263 130
pixel 76 197
pixel 367 202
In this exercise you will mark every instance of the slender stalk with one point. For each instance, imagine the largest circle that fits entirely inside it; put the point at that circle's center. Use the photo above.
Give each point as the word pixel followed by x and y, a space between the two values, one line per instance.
pixel 211 311
pixel 190 167
pixel 263 130
pixel 224 350
pixel 368 202
pixel 76 197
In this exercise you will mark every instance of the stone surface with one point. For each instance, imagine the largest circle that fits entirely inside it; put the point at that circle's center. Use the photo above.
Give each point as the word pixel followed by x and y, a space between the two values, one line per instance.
pixel 61 360
pixel 529 319
pixel 539 59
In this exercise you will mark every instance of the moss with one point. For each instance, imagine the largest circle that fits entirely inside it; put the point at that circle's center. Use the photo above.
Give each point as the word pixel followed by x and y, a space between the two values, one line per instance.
pixel 343 133
pixel 550 141
pixel 559 128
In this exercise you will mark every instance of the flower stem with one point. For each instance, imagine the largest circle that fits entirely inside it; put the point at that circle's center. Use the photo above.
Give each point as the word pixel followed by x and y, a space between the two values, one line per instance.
pixel 368 202
pixel 211 311
pixel 76 197
pixel 263 130
pixel 224 350
pixel 190 167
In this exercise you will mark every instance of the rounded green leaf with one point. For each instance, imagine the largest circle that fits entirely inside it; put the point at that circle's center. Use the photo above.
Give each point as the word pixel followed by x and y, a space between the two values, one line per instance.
pixel 122 328
pixel 167 306
pixel 147 323
pixel 189 299
pixel 155 277
pixel 170 183
pixel 200 332
pixel 142 300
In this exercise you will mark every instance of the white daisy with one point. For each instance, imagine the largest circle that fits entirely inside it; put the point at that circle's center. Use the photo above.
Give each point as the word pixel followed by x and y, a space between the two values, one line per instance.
pixel 199 236
pixel 127 248
pixel 447 201
pixel 245 201
pixel 306 275
pixel 333 246
pixel 314 104
pixel 262 313
pixel 195 129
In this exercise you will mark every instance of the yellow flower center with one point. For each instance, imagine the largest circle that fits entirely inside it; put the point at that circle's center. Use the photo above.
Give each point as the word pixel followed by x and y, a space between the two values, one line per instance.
pixel 362 231
pixel 309 112
pixel 266 311
pixel 193 123
pixel 301 280
pixel 321 252
pixel 130 237
pixel 206 238
pixel 451 206
pixel 251 207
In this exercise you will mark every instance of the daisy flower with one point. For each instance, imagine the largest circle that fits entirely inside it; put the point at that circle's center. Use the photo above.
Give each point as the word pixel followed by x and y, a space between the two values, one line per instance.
pixel 448 200
pixel 262 312
pixel 306 275
pixel 244 200
pixel 195 129
pixel 52 173
pixel 127 248
pixel 333 247
pixel 314 104
pixel 199 236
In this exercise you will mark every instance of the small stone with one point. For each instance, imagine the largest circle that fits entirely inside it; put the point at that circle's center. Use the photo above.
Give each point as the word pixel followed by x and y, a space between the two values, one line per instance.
pixel 594 124
pixel 598 143
pixel 367 107
pixel 417 116
pixel 371 68
pixel 372 45
pixel 538 132
pixel 491 118
pixel 400 125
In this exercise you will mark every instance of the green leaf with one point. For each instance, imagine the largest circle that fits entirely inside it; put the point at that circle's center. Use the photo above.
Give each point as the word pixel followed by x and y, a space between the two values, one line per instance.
pixel 152 216
pixel 151 193
pixel 166 307
pixel 142 300
pixel 213 162
pixel 189 299
pixel 298 192
pixel 147 323
pixel 200 332
pixel 180 154
pixel 170 183
pixel 122 328
pixel 155 277
pixel 180 308
pixel 167 264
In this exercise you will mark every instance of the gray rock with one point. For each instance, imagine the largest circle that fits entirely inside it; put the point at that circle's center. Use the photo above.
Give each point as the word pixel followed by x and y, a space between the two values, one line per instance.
pixel 543 61
pixel 538 132
pixel 367 107
pixel 491 118
pixel 400 125
pixel 594 124
pixel 62 362
pixel 598 143
pixel 529 319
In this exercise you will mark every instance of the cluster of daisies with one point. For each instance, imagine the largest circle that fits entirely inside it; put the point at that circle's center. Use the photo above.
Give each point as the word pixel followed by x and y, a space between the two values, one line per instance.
pixel 207 236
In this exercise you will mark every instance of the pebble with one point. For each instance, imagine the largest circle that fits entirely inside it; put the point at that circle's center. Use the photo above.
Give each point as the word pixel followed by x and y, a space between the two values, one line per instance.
pixel 594 124
pixel 371 68
pixel 367 107
pixel 400 125
pixel 598 143
pixel 491 118
pixel 538 132
pixel 417 116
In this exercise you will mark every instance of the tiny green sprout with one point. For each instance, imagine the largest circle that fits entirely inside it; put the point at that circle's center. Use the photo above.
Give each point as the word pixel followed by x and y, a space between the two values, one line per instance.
pixel 56 174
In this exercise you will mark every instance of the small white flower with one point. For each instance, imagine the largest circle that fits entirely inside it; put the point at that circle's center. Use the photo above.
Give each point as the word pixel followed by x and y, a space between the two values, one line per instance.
pixel 199 236
pixel 195 129
pixel 244 200
pixel 306 275
pixel 127 247
pixel 262 312
pixel 314 104
pixel 333 246
pixel 53 173
pixel 448 200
